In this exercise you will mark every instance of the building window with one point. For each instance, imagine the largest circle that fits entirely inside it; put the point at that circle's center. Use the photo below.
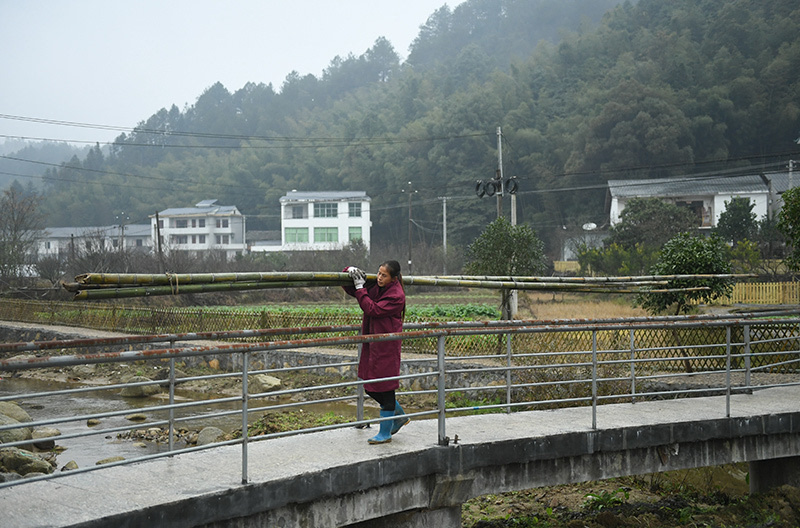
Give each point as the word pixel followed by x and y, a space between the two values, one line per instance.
pixel 326 210
pixel 354 233
pixel 222 239
pixel 326 234
pixel 47 245
pixel 201 222
pixel 296 235
pixel 201 239
pixel 299 211
pixel 139 242
pixel 180 223
pixel 355 209
pixel 222 223
pixel 161 224
pixel 179 239
pixel 194 239
pixel 194 222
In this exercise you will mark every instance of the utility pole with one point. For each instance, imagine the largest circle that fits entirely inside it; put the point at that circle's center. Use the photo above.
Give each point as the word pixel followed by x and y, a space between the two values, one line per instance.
pixel 410 223
pixel 444 234
pixel 512 294
pixel 158 240
pixel 121 218
pixel 500 172
pixel 500 186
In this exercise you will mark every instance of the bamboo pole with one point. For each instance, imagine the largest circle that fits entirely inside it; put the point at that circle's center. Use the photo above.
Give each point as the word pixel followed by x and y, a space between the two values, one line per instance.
pixel 204 278
pixel 132 279
pixel 640 278
pixel 115 285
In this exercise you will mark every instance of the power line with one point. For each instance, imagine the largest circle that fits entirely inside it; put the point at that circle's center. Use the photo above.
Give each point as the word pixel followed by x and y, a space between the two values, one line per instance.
pixel 315 142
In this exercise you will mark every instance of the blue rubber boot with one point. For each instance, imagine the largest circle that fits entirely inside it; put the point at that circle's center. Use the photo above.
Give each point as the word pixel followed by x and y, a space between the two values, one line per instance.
pixel 384 436
pixel 399 422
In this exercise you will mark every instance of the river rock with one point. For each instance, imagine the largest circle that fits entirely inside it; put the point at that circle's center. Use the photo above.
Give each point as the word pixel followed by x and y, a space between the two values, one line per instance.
pixel 91 422
pixel 140 391
pixel 17 434
pixel 84 370
pixel 262 383
pixel 23 462
pixel 7 477
pixel 163 374
pixel 109 460
pixel 44 437
pixel 209 435
pixel 12 410
pixel 136 417
pixel 69 466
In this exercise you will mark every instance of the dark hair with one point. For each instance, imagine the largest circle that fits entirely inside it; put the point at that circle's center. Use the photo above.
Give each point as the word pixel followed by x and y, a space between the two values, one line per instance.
pixel 393 267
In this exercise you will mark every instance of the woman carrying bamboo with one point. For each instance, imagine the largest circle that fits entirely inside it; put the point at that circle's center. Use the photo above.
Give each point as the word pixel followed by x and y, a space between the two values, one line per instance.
pixel 384 305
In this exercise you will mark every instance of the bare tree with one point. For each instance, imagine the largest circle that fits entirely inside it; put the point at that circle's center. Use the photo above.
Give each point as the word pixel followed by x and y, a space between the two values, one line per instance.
pixel 20 222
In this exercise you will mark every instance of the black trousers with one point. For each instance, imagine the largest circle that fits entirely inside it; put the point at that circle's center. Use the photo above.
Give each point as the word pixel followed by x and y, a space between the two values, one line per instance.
pixel 385 399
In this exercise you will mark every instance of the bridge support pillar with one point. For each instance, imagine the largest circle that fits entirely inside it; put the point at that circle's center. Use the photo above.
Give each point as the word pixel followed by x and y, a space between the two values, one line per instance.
pixel 768 474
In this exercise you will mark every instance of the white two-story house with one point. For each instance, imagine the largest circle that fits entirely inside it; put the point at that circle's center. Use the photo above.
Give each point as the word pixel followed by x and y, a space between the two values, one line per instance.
pixel 204 227
pixel 324 220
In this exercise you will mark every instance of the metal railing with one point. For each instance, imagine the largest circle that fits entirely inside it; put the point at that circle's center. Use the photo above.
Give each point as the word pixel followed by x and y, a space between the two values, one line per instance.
pixel 750 350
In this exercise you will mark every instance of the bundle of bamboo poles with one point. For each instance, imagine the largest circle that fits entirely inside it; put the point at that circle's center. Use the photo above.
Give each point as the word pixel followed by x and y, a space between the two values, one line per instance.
pixel 92 286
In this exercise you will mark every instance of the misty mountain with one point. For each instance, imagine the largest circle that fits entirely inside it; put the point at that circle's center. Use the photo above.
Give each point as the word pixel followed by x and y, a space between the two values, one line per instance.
pixel 583 94
pixel 39 155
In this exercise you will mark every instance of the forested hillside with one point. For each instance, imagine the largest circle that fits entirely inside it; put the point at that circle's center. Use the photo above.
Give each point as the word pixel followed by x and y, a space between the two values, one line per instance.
pixel 649 89
pixel 25 161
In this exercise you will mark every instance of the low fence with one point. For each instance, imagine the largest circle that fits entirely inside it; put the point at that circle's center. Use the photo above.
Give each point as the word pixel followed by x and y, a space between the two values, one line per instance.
pixel 763 293
pixel 748 351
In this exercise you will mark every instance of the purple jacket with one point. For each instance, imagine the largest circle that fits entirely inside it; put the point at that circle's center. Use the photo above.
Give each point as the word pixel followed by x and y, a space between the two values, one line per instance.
pixel 383 308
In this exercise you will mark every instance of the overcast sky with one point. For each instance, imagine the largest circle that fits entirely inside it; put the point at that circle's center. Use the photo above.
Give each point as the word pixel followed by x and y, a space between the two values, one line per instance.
pixel 115 63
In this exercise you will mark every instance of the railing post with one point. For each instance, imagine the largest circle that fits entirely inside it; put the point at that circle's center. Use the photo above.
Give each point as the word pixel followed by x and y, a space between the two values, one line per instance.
pixel 443 440
pixel 747 362
pixel 633 367
pixel 508 372
pixel 727 371
pixel 171 400
pixel 594 379
pixel 359 393
pixel 245 396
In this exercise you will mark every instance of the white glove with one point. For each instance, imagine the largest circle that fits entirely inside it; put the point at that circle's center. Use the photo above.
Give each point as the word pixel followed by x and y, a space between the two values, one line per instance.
pixel 358 276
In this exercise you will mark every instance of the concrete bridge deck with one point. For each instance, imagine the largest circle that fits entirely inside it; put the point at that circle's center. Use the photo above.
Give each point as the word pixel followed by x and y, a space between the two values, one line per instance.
pixel 335 479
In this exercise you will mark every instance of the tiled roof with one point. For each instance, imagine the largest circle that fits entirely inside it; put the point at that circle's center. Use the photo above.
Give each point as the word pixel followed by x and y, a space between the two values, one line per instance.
pixel 303 196
pixel 781 183
pixel 131 230
pixel 195 211
pixel 687 186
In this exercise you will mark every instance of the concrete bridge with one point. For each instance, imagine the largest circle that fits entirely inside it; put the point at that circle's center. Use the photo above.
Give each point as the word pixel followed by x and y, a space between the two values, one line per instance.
pixel 334 478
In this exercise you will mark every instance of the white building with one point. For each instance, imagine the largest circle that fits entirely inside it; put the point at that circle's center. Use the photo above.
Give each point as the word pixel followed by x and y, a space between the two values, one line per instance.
pixel 204 227
pixel 69 241
pixel 705 197
pixel 322 220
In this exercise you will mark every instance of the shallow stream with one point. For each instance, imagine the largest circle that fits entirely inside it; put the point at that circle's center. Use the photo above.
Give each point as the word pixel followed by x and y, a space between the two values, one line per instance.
pixel 87 450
